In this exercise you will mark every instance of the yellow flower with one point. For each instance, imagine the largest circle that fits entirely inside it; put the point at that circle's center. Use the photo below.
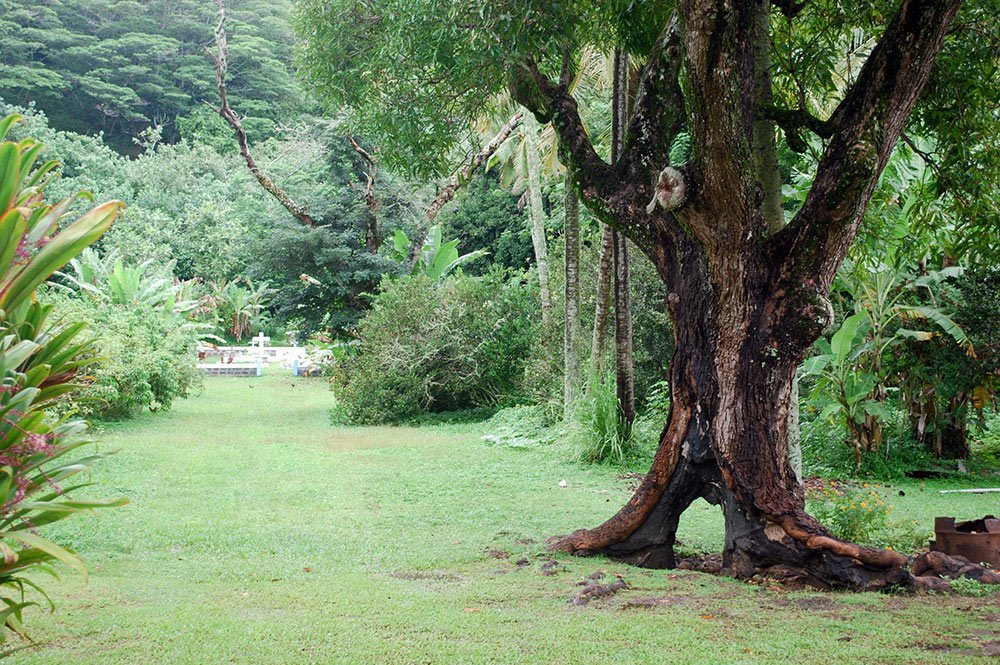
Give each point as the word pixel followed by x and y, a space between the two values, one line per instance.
pixel 866 484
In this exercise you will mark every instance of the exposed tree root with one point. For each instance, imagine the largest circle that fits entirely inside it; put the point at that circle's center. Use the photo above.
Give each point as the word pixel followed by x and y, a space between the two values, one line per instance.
pixel 592 591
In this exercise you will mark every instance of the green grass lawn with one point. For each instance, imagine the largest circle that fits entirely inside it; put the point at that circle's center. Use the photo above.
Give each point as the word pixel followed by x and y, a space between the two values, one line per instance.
pixel 259 533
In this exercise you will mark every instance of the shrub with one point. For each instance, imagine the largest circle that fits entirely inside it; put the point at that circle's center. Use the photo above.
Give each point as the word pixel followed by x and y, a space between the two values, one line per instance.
pixel 437 346
pixel 855 514
pixel 825 454
pixel 143 359
pixel 986 441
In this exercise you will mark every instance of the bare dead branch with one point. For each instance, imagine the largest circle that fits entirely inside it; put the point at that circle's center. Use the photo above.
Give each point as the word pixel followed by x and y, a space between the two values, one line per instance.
pixel 373 237
pixel 458 179
pixel 220 59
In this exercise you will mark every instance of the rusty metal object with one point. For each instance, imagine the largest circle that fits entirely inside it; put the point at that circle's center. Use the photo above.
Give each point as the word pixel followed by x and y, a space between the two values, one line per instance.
pixel 976 540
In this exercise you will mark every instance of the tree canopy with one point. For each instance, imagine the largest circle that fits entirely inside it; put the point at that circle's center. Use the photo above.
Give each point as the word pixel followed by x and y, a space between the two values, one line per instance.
pixel 118 66
pixel 414 73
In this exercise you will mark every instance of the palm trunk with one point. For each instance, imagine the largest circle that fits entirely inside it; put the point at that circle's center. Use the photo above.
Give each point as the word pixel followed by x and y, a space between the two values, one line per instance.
pixel 571 346
pixel 599 340
pixel 537 213
pixel 624 362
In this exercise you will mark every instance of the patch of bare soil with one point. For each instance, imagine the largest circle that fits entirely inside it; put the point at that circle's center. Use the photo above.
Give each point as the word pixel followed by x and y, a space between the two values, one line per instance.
pixel 426 575
pixel 816 484
pixel 631 480
pixel 652 602
pixel 941 647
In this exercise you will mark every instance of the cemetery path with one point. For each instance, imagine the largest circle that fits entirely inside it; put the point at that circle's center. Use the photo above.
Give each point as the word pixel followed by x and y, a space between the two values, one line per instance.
pixel 257 533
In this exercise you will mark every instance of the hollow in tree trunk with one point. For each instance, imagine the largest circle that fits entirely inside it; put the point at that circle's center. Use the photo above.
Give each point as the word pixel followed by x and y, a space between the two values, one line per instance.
pixel 747 301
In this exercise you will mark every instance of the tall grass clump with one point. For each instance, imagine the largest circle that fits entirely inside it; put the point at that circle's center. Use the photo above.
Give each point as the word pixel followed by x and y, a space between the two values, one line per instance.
pixel 601 432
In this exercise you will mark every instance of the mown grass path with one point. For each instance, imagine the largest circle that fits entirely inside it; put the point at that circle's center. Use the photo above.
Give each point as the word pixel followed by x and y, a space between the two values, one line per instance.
pixel 258 534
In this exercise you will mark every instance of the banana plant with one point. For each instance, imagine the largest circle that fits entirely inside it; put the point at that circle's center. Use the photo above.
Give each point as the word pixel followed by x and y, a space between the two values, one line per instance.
pixel 110 280
pixel 241 308
pixel 40 454
pixel 851 382
pixel 438 259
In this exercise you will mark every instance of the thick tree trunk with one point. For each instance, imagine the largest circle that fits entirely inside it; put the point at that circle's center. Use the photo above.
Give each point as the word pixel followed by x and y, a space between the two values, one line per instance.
pixel 537 213
pixel 571 338
pixel 725 441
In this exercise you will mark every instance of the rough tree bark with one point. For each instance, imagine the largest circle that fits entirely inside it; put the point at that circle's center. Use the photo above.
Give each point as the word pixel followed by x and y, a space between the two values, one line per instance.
pixel 599 339
pixel 221 59
pixel 537 213
pixel 747 303
pixel 461 177
pixel 373 236
pixel 571 335
pixel 624 365
pixel 765 158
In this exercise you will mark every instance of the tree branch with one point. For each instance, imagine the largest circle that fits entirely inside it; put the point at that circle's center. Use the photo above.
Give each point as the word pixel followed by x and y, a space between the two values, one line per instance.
pixel 458 179
pixel 865 128
pixel 373 238
pixel 599 186
pixel 221 66
pixel 658 115
pixel 792 121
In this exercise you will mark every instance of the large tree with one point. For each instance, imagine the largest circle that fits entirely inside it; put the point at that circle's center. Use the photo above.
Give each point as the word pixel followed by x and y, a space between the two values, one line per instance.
pixel 748 292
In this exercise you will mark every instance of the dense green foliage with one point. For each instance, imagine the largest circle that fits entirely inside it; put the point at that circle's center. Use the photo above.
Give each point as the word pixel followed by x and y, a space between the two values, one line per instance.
pixel 202 210
pixel 438 346
pixel 118 67
pixel 486 217
pixel 145 360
